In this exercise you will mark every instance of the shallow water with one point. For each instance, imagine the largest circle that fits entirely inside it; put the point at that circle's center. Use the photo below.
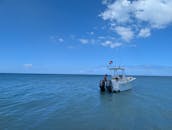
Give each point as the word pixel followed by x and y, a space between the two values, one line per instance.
pixel 65 102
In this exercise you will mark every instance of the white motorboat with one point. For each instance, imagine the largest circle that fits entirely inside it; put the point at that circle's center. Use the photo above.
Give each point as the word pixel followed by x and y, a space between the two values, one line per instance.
pixel 118 82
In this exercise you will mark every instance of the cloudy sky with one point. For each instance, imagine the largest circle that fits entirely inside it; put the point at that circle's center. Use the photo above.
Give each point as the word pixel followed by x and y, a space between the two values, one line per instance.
pixel 81 37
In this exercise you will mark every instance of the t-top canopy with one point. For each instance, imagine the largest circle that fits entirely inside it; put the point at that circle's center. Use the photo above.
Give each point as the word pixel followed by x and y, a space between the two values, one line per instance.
pixel 116 68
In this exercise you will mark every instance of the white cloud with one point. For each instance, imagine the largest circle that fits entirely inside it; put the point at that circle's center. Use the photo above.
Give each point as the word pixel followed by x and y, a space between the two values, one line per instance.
pixel 101 37
pixel 72 36
pixel 84 41
pixel 87 41
pixel 91 33
pixel 71 47
pixel 158 13
pixel 150 70
pixel 28 65
pixel 61 40
pixel 111 44
pixel 105 2
pixel 119 11
pixel 56 39
pixel 106 41
pixel 144 32
pixel 125 33
pixel 137 17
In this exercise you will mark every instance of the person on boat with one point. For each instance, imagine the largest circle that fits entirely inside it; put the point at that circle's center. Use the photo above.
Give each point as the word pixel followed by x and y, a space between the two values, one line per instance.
pixel 116 78
pixel 105 77
pixel 103 83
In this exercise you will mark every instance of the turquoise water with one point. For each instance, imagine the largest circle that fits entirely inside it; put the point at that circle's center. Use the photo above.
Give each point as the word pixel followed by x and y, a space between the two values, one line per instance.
pixel 66 102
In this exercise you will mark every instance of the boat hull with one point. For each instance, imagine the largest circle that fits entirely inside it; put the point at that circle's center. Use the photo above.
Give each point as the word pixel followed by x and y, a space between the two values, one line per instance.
pixel 122 85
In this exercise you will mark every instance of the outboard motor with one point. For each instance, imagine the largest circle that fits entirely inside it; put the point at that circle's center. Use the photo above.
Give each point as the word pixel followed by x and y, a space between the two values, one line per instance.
pixel 109 86
pixel 102 85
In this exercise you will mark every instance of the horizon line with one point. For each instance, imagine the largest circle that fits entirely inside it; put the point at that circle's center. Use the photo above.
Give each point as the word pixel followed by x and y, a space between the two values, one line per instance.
pixel 78 74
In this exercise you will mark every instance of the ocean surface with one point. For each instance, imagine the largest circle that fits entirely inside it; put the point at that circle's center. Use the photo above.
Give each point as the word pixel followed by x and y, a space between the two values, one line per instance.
pixel 74 102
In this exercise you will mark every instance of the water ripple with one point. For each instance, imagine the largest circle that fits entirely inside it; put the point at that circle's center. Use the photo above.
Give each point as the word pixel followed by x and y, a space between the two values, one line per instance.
pixel 75 102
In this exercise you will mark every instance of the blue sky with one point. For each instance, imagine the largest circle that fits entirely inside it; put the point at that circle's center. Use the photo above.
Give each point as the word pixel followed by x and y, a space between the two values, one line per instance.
pixel 81 37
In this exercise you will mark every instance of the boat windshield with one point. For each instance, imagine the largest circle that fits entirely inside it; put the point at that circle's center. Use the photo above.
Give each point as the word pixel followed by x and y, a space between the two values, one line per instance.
pixel 118 72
